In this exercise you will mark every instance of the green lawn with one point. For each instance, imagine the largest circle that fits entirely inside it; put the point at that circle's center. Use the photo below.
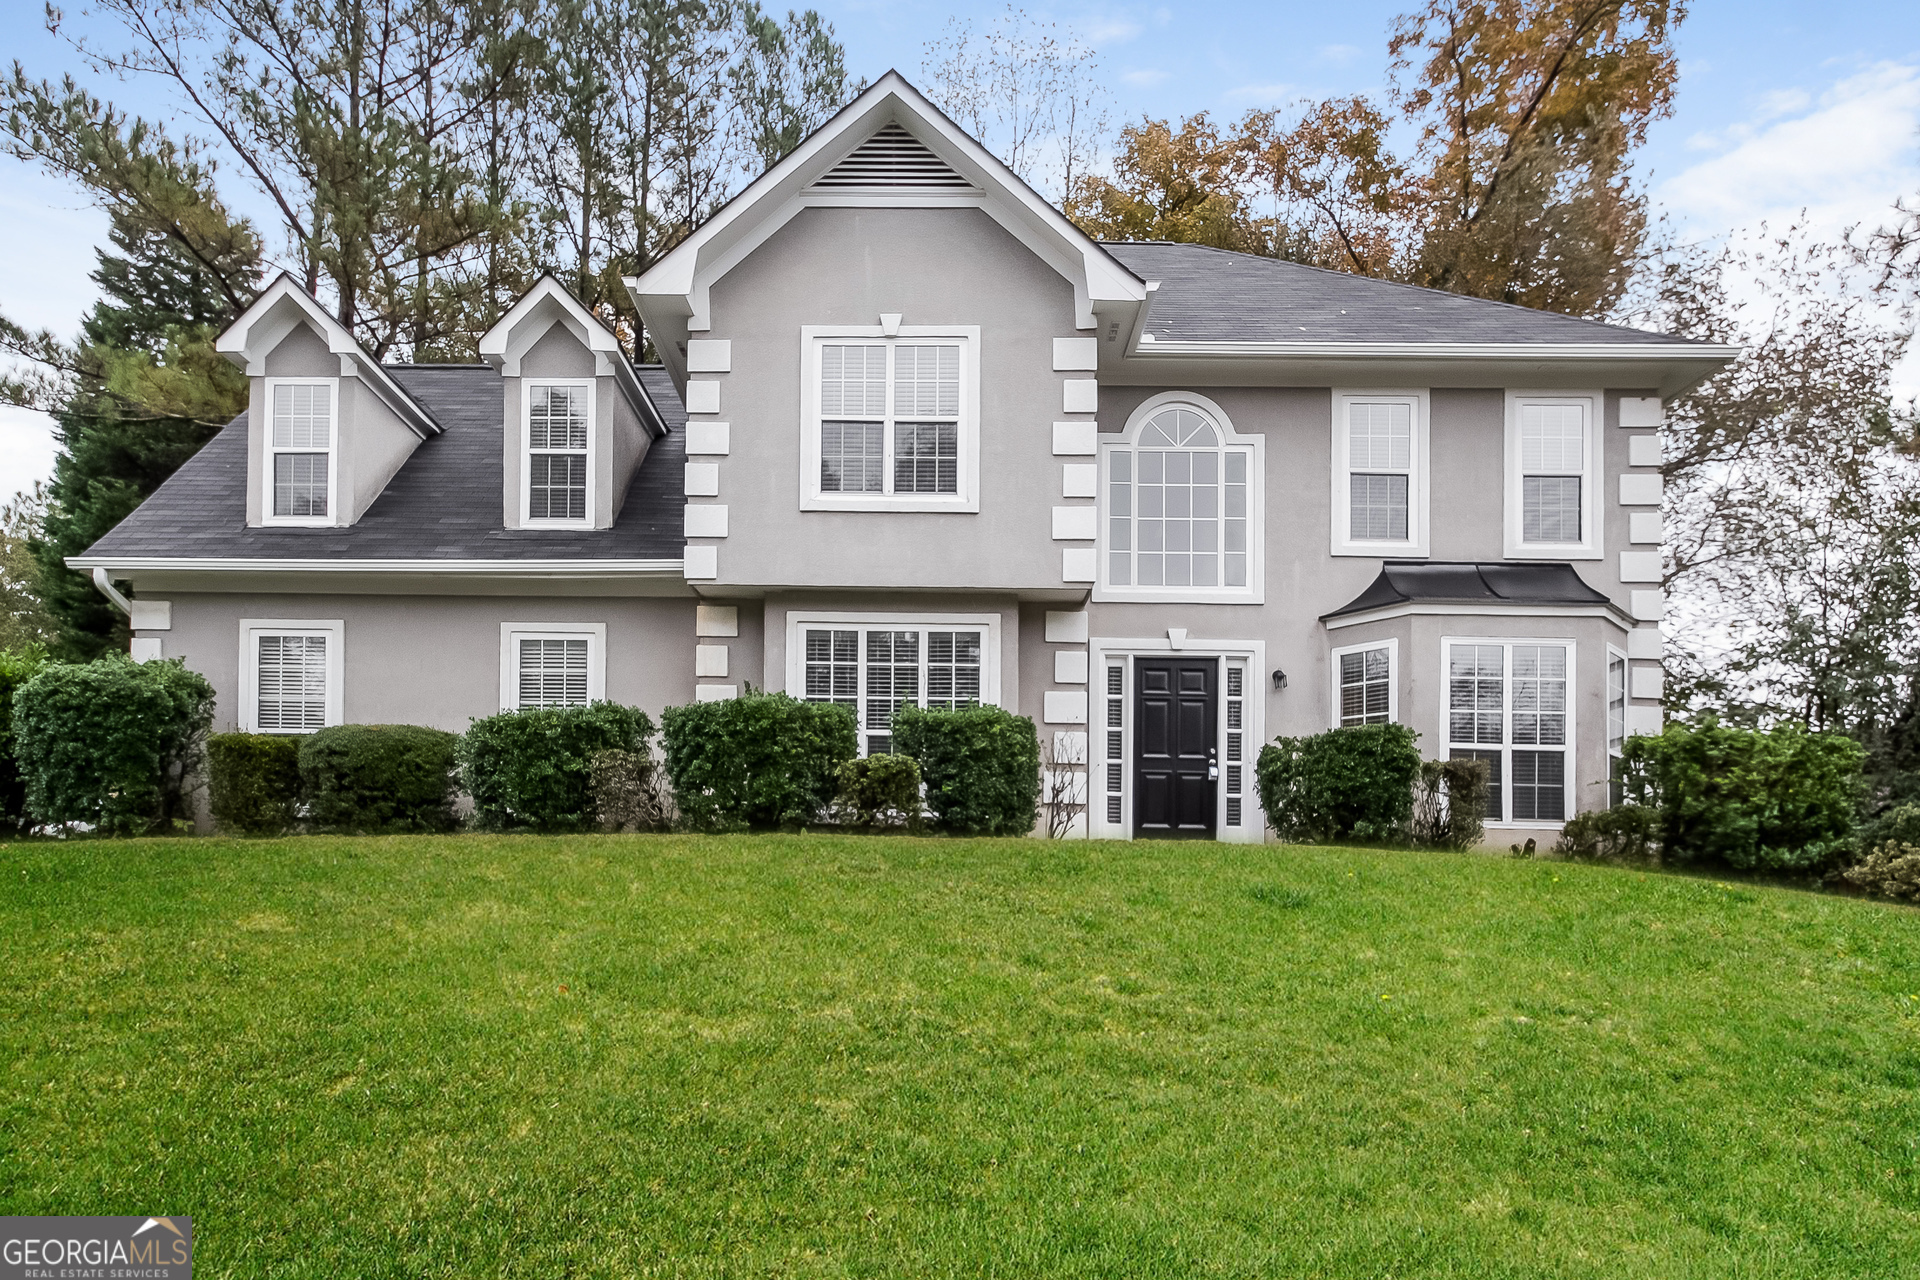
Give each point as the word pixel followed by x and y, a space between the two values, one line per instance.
pixel 802 1056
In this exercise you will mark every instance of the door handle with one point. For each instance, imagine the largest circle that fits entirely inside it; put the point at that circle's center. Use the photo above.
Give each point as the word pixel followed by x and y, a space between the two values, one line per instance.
pixel 1213 773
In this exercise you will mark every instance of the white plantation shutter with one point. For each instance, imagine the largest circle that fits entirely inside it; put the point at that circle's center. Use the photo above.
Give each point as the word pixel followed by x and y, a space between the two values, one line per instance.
pixel 1553 452
pixel 553 673
pixel 301 445
pixel 292 683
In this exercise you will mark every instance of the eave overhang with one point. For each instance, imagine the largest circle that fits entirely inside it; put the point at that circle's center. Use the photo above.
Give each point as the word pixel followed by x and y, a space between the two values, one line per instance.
pixel 575 576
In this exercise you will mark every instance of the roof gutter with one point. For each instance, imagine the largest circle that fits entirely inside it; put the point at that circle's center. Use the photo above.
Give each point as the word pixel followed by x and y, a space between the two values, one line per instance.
pixel 101 566
pixel 1150 346
pixel 104 583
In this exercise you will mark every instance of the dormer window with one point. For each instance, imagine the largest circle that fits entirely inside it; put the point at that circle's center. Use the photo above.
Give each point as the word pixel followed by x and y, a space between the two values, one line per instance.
pixel 301 435
pixel 559 431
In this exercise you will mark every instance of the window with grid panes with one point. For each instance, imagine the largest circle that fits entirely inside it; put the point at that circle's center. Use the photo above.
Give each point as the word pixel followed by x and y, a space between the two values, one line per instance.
pixel 1507 705
pixel 300 448
pixel 890 416
pixel 1366 687
pixel 557 426
pixel 1177 505
pixel 1116 740
pixel 877 670
pixel 1379 470
pixel 1553 461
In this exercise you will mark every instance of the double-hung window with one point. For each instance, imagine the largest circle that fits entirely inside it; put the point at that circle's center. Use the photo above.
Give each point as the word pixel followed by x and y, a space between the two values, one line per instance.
pixel 1364 684
pixel 892 422
pixel 877 666
pixel 559 429
pixel 1380 473
pixel 1552 476
pixel 290 675
pixel 1181 507
pixel 1507 704
pixel 552 664
pixel 302 416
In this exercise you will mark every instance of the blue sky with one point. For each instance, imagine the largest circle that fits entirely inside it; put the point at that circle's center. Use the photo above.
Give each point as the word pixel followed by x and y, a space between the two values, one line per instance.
pixel 1781 106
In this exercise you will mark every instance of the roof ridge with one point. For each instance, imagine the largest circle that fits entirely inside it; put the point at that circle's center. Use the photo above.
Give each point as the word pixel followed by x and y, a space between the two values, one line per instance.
pixel 1285 263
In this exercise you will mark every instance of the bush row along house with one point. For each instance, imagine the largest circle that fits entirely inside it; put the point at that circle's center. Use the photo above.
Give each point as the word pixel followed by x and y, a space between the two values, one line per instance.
pixel 916 438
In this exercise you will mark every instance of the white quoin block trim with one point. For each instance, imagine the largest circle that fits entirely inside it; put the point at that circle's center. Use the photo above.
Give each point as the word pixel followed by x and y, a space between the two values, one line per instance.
pixel 1647 643
pixel 151 615
pixel 703 480
pixel 1639 566
pixel 1641 411
pixel 1075 439
pixel 1645 451
pixel 710 660
pixel 1070 354
pixel 1641 491
pixel 1080 480
pixel 1065 627
pixel 1065 706
pixel 1070 666
pixel 715 692
pixel 706 520
pixel 709 355
pixel 1648 682
pixel 709 437
pixel 1649 606
pixel 1079 564
pixel 703 396
pixel 1075 523
pixel 700 562
pixel 716 620
pixel 1080 395
pixel 1646 526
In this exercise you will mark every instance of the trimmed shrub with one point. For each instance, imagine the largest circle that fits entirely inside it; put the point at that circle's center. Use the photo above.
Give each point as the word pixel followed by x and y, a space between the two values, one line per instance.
pixel 17 666
pixel 113 743
pixel 533 768
pixel 759 760
pixel 882 791
pixel 1345 784
pixel 1892 870
pixel 1450 804
pixel 1898 825
pixel 1780 799
pixel 1628 833
pixel 981 767
pixel 629 790
pixel 379 779
pixel 253 782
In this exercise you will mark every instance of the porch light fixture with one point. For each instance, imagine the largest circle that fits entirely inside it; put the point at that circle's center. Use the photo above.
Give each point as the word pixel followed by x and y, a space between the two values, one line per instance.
pixel 1279 681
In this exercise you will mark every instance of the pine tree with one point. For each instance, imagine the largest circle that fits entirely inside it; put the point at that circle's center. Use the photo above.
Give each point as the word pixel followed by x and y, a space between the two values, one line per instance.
pixel 147 392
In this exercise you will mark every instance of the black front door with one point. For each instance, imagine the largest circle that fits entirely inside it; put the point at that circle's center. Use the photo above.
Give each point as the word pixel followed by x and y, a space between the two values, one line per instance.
pixel 1174 744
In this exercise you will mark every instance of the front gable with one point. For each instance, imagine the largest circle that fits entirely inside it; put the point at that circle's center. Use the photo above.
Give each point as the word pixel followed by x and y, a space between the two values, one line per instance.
pixel 890 148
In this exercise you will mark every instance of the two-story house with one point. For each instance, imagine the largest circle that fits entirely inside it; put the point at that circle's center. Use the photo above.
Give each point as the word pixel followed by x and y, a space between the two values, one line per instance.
pixel 916 438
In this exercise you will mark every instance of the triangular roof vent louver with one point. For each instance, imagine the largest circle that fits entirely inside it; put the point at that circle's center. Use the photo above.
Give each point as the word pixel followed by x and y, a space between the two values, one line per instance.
pixel 892 158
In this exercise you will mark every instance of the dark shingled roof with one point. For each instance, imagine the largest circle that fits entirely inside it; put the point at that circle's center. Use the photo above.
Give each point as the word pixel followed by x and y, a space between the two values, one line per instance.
pixel 1410 581
pixel 443 504
pixel 1216 295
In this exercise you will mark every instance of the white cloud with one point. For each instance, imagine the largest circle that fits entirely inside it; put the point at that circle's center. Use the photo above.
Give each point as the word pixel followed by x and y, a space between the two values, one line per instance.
pixel 26 449
pixel 1339 54
pixel 1101 32
pixel 1843 157
pixel 1146 78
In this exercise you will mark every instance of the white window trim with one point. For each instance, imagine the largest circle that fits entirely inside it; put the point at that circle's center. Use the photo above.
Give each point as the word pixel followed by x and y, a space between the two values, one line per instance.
pixel 251 629
pixel 1419 486
pixel 1591 524
pixel 989 624
pixel 526 451
pixel 268 453
pixel 511 633
pixel 812 338
pixel 1104 651
pixel 1506 749
pixel 1255 592
pixel 1392 645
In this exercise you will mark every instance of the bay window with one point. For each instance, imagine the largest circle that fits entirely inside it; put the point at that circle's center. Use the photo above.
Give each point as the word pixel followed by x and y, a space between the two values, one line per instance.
pixel 1507 704
pixel 1363 679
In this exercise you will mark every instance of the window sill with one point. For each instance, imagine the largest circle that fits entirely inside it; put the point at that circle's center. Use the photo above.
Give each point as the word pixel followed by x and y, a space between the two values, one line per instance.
pixel 1382 550
pixel 1554 551
pixel 296 522
pixel 1178 595
pixel 890 502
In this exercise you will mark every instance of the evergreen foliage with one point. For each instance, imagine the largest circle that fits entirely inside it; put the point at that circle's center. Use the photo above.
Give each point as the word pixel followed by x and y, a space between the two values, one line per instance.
pixel 981 767
pixel 253 782
pixel 17 666
pixel 759 760
pixel 533 768
pixel 112 743
pixel 1345 784
pixel 379 779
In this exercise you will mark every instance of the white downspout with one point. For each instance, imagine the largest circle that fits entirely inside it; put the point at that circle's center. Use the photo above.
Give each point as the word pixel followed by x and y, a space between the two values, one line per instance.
pixel 105 584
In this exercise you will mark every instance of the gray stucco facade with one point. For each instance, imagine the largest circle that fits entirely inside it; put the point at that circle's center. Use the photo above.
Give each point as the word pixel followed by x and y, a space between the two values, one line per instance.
pixel 723 545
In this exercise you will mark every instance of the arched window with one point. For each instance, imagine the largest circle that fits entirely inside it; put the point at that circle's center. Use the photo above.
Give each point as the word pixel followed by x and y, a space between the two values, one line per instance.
pixel 1181 505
